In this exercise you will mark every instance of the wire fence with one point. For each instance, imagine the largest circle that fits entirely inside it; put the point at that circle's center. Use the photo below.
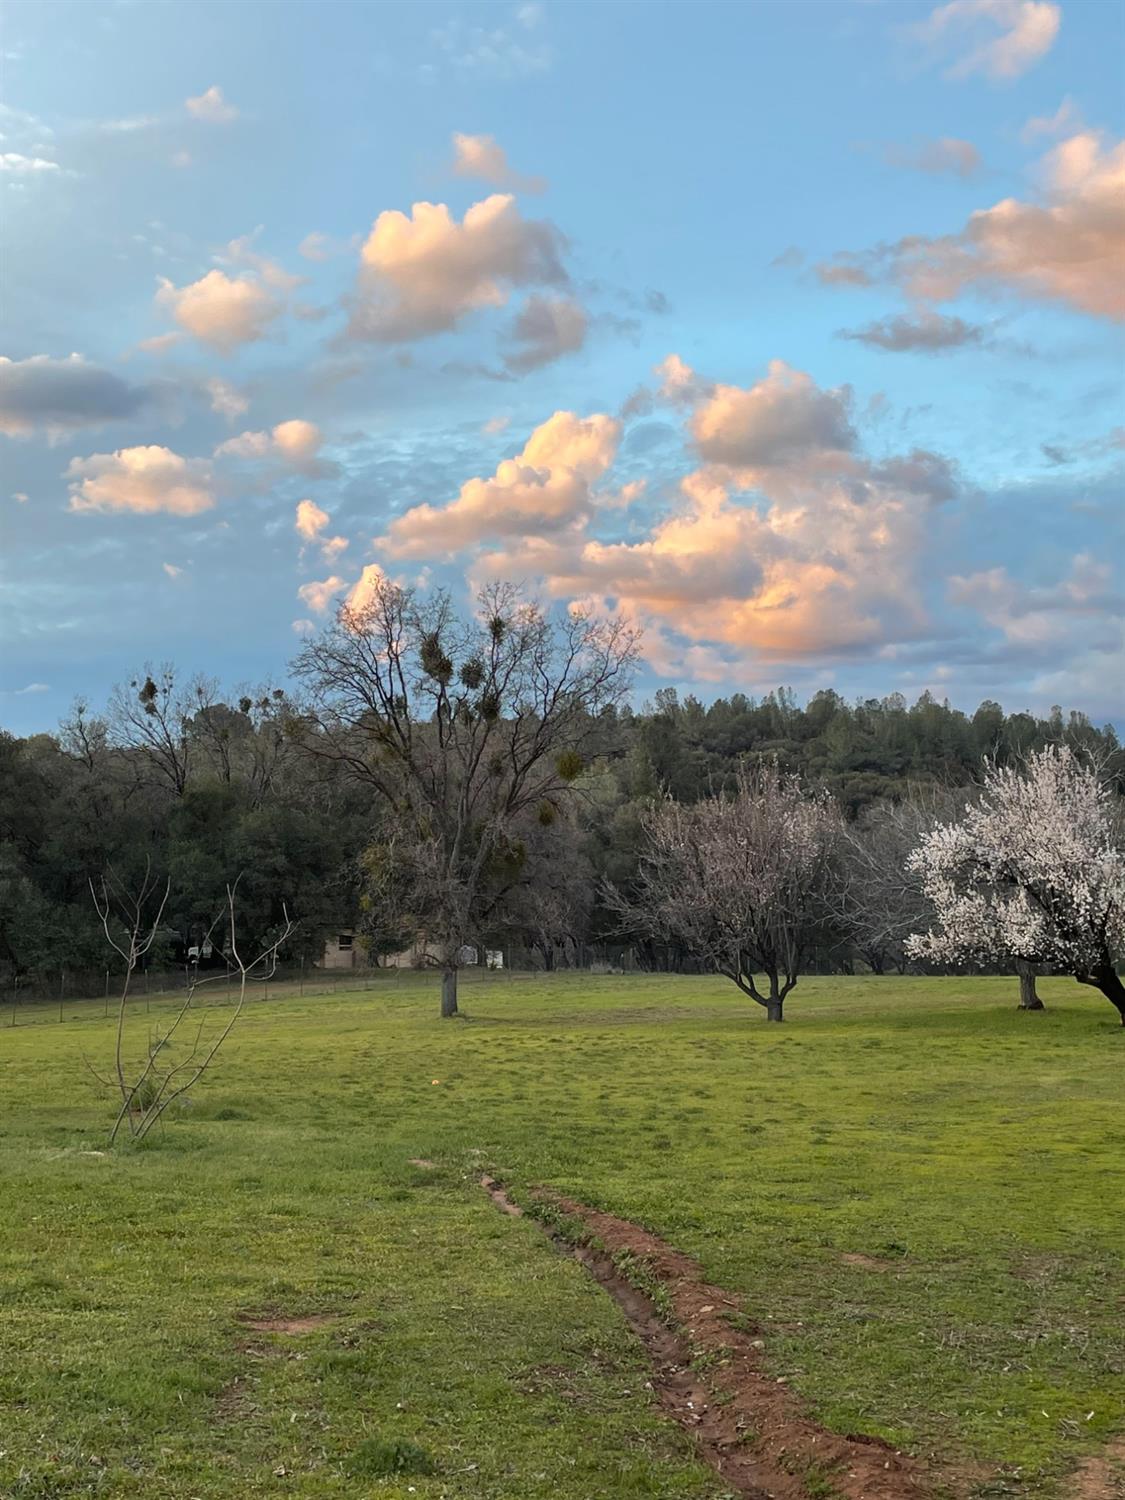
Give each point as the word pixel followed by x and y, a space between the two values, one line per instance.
pixel 85 996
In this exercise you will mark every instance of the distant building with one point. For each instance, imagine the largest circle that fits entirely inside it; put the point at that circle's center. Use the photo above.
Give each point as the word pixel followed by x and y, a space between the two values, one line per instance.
pixel 340 950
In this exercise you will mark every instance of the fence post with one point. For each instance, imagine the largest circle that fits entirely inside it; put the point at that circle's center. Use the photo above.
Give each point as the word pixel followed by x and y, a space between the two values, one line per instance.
pixel 62 990
pixel 302 974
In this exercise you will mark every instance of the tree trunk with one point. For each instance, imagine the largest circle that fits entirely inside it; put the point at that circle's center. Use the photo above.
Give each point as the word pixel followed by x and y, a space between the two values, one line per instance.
pixel 1029 1000
pixel 449 992
pixel 775 1001
pixel 1106 978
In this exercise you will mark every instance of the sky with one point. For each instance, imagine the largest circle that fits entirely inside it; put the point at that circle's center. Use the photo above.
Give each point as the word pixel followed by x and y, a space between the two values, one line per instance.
pixel 790 331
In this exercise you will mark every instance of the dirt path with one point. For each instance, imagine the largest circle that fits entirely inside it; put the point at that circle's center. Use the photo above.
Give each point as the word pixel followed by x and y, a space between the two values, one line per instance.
pixel 706 1373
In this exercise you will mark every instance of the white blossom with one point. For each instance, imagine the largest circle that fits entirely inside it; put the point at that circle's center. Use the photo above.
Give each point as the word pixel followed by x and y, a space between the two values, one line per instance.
pixel 1033 871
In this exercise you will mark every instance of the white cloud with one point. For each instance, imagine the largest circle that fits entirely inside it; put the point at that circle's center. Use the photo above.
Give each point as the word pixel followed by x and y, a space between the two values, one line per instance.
pixel 787 544
pixel 171 569
pixel 361 592
pixel 546 488
pixel 310 524
pixel 221 310
pixel 296 442
pixel 211 107
pixel 311 520
pixel 1067 247
pixel 480 156
pixel 1000 38
pixel 144 480
pixel 319 595
pixel 25 166
pixel 421 274
pixel 783 418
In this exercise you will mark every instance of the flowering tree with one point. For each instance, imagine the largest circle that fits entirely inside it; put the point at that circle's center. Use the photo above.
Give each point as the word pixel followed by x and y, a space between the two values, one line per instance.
pixel 1033 873
pixel 739 883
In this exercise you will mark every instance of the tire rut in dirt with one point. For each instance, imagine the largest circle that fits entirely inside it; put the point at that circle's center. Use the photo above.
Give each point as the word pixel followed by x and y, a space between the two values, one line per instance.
pixel 707 1374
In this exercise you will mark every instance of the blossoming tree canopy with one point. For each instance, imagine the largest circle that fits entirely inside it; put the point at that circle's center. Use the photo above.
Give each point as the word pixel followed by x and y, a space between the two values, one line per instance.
pixel 1033 871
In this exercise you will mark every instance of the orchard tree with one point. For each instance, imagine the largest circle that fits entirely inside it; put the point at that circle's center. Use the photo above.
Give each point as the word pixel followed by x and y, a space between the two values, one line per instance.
pixel 879 901
pixel 739 883
pixel 1032 874
pixel 464 728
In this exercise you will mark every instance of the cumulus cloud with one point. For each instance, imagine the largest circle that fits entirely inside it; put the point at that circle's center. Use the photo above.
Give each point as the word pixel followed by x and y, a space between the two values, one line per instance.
pixel 545 329
pixel 318 595
pixel 1000 38
pixel 57 396
pixel 311 522
pixel 480 156
pixel 221 310
pixel 546 488
pixel 786 543
pixel 144 480
pixel 1067 247
pixel 363 590
pixel 421 273
pixel 782 418
pixel 211 107
pixel 296 442
pixel 948 154
pixel 924 332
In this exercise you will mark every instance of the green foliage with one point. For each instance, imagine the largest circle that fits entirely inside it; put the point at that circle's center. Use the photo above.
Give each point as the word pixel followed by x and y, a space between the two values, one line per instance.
pixel 472 673
pixel 570 765
pixel 434 661
pixel 376 1458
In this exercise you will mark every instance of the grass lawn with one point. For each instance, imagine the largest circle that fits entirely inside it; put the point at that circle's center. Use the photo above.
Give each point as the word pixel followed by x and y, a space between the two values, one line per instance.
pixel 973 1153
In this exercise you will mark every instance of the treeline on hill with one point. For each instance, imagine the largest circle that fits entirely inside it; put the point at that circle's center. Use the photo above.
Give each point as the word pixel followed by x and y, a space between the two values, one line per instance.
pixel 176 777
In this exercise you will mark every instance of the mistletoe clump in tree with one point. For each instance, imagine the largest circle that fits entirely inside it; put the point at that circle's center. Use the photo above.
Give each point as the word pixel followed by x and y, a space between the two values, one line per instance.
pixel 468 731
pixel 1033 873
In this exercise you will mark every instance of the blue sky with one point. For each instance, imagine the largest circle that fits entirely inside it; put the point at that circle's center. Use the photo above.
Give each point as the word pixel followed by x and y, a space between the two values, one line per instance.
pixel 791 331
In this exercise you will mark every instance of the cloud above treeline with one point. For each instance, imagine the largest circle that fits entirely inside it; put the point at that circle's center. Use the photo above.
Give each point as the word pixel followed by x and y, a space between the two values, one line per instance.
pixel 1067 245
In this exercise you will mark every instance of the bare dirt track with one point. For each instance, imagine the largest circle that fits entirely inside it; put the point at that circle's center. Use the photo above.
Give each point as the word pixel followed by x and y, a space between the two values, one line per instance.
pixel 707 1374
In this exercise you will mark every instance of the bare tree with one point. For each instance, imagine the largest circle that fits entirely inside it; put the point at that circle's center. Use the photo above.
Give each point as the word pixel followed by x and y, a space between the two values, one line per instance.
pixel 151 715
pixel 739 883
pixel 131 920
pixel 462 727
pixel 879 901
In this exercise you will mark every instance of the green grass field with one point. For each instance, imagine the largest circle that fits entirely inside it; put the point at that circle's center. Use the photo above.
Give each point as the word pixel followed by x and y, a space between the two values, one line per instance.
pixel 974 1152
